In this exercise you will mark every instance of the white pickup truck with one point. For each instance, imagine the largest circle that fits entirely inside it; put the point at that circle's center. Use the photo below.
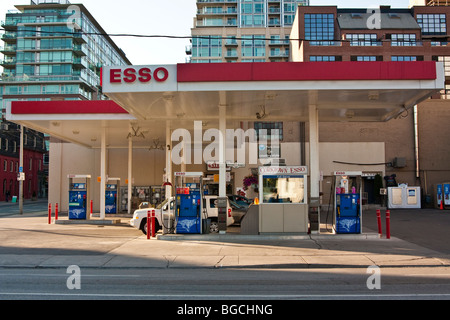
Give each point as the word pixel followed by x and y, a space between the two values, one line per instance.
pixel 210 210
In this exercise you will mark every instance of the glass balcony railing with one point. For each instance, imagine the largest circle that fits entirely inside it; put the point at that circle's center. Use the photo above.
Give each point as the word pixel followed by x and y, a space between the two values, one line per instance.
pixel 217 1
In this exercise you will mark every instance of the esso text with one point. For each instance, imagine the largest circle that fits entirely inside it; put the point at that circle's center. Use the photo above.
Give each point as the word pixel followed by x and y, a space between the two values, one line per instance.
pixel 143 75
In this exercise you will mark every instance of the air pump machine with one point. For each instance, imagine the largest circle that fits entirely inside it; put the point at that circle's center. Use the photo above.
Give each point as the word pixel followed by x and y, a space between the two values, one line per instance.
pixel 189 203
pixel 347 202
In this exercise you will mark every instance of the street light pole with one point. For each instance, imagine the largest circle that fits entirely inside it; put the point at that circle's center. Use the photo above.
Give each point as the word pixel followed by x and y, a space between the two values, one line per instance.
pixel 21 166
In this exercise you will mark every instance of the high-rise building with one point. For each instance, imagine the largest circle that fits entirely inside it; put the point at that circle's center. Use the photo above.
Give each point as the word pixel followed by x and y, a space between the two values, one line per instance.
pixel 52 51
pixel 242 30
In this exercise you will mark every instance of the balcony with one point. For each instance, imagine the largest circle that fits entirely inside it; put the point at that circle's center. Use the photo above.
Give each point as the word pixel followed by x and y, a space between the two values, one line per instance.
pixel 231 43
pixel 9 24
pixel 9 63
pixel 79 63
pixel 79 50
pixel 217 1
pixel 279 42
pixel 80 38
pixel 9 37
pixel 188 50
pixel 8 50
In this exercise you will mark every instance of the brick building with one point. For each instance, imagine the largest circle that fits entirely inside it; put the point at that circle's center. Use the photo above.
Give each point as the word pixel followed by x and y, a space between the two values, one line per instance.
pixel 419 33
pixel 34 164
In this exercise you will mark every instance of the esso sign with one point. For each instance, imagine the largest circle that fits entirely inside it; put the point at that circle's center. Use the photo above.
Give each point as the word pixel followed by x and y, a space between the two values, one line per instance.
pixel 142 75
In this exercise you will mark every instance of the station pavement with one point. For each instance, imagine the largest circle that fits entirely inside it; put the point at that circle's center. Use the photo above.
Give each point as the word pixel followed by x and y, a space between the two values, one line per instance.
pixel 28 241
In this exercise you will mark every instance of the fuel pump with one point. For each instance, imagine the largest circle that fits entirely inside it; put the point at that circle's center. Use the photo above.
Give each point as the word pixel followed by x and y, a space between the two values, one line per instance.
pixel 189 204
pixel 347 202
pixel 112 196
pixel 79 192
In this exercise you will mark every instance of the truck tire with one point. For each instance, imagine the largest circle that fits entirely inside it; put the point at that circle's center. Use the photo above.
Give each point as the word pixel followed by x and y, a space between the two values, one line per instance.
pixel 144 226
pixel 214 228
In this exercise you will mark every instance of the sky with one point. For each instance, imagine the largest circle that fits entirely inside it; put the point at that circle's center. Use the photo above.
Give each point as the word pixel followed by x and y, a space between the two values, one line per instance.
pixel 169 17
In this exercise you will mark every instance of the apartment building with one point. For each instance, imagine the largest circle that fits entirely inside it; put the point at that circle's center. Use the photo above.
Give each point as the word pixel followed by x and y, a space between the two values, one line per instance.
pixel 242 30
pixel 52 50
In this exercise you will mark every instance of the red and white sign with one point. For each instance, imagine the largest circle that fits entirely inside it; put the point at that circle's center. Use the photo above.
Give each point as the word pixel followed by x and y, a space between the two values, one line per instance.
pixel 152 78
pixel 143 75
pixel 283 170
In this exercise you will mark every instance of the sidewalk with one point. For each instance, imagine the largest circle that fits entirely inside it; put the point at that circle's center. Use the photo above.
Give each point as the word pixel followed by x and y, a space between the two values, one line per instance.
pixel 29 242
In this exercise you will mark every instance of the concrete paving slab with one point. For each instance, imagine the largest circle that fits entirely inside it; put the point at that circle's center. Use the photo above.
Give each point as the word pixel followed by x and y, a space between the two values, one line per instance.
pixel 128 261
pixel 22 261
pixel 81 261
pixel 346 261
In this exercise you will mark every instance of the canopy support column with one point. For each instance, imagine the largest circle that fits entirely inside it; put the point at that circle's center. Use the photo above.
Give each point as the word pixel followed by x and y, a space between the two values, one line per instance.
pixel 103 176
pixel 130 173
pixel 314 164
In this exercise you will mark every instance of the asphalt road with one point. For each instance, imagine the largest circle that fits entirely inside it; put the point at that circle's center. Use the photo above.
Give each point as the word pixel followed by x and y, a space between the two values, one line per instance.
pixel 427 228
pixel 223 284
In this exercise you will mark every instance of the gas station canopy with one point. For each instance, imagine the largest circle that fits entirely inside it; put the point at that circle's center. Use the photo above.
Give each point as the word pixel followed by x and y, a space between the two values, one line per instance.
pixel 143 98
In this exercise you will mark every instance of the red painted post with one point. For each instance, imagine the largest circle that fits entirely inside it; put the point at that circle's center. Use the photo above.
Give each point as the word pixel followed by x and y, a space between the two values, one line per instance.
pixel 49 213
pixel 153 223
pixel 92 207
pixel 56 212
pixel 148 224
pixel 380 231
pixel 388 224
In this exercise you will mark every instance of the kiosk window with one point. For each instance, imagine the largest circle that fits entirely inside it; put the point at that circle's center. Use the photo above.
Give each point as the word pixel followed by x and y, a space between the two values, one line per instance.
pixel 280 189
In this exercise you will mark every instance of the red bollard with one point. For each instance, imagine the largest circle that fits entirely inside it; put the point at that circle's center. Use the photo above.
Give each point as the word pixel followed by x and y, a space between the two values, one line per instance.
pixel 92 207
pixel 388 224
pixel 148 224
pixel 49 213
pixel 56 212
pixel 380 231
pixel 153 223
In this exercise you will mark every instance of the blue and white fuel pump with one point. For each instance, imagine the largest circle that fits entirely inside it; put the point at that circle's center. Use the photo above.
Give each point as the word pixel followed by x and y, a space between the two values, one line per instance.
pixel 347 202
pixel 112 196
pixel 189 202
pixel 79 196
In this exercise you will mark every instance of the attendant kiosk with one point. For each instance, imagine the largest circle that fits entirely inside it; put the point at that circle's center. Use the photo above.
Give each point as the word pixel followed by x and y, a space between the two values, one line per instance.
pixel 79 196
pixel 112 196
pixel 189 204
pixel 283 198
pixel 347 202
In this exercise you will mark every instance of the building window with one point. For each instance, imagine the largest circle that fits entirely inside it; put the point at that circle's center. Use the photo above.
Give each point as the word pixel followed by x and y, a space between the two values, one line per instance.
pixel 366 58
pixel 363 40
pixel 404 58
pixel 253 46
pixel 403 40
pixel 432 24
pixel 319 26
pixel 269 130
pixel 253 14
pixel 207 46
pixel 324 58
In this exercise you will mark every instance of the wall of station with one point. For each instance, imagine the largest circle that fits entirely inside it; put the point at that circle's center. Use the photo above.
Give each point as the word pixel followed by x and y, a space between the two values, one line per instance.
pixel 148 166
